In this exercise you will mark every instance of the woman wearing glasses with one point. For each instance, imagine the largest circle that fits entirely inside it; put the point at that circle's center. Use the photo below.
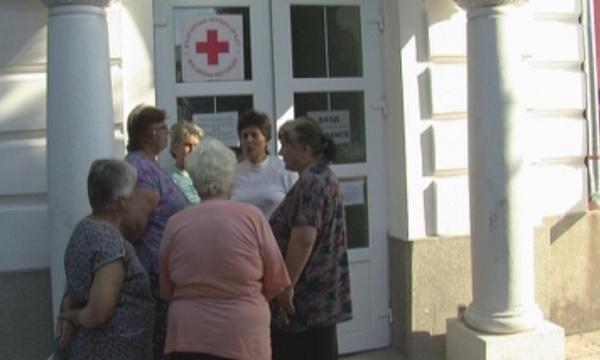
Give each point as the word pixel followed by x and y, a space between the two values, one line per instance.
pixel 156 198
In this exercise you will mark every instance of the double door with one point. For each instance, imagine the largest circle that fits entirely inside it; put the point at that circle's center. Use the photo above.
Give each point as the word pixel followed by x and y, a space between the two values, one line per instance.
pixel 287 58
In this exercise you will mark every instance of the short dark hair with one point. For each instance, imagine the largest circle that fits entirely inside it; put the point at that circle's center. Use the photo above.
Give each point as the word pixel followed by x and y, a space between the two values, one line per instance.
pixel 256 119
pixel 140 119
pixel 109 179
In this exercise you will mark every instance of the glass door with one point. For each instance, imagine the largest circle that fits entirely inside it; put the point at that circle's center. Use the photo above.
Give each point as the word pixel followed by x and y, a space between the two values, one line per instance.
pixel 327 65
pixel 238 46
pixel 289 58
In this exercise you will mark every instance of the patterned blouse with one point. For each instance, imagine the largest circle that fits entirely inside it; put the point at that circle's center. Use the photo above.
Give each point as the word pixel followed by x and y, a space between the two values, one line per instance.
pixel 172 199
pixel 128 334
pixel 182 179
pixel 322 294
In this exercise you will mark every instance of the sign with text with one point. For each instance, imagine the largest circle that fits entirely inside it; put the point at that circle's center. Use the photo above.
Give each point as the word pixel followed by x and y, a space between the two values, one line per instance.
pixel 212 48
pixel 354 192
pixel 222 126
pixel 335 123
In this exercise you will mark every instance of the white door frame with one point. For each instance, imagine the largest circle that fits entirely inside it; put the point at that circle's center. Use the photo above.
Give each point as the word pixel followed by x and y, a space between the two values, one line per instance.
pixel 273 87
pixel 368 266
pixel 260 87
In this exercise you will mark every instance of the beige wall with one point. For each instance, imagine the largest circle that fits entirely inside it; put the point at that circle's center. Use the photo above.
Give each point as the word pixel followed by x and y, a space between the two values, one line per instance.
pixel 431 277
pixel 575 271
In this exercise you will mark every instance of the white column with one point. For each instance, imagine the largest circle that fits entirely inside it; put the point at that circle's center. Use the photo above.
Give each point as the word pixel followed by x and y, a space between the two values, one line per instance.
pixel 501 236
pixel 503 321
pixel 79 116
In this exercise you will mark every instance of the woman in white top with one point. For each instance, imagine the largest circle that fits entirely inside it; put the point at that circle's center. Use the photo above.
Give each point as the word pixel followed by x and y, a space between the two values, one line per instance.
pixel 260 179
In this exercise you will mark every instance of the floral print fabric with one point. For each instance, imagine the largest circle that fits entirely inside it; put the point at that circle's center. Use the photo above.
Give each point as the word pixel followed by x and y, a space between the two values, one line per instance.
pixel 128 333
pixel 322 293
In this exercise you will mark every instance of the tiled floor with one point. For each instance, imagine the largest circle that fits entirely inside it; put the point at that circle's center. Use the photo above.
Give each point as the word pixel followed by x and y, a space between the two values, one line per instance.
pixel 578 347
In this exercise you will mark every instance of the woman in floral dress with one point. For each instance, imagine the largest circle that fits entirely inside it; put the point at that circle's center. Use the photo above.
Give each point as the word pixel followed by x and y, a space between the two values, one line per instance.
pixel 107 311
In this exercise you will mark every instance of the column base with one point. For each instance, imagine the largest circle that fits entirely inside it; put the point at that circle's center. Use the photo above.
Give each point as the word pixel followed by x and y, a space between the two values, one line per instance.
pixel 509 322
pixel 545 342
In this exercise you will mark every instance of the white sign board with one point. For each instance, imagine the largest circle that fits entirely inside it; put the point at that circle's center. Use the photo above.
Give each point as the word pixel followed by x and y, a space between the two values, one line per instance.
pixel 222 126
pixel 335 123
pixel 212 48
pixel 354 192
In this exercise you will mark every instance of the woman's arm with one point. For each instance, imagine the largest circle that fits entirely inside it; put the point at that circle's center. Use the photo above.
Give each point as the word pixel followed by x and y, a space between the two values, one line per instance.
pixel 275 275
pixel 64 327
pixel 299 247
pixel 143 202
pixel 166 287
pixel 104 294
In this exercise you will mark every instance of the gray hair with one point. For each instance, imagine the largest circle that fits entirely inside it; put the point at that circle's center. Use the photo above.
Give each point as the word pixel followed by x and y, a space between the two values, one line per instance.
pixel 108 180
pixel 211 166
pixel 181 129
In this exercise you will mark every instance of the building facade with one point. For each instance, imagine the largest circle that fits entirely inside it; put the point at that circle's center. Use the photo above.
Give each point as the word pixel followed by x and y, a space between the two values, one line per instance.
pixel 389 80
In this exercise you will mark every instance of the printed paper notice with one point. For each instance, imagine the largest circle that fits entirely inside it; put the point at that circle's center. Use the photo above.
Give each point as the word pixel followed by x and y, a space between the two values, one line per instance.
pixel 354 192
pixel 222 126
pixel 335 123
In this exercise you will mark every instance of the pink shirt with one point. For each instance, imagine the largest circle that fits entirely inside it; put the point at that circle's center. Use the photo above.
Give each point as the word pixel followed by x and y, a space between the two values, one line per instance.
pixel 217 260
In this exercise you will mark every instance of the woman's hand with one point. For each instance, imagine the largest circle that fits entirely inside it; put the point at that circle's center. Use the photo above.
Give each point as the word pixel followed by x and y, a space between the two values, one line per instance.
pixel 286 300
pixel 64 330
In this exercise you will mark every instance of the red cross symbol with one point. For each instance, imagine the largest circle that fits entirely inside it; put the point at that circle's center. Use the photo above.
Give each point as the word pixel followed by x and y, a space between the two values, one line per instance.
pixel 212 47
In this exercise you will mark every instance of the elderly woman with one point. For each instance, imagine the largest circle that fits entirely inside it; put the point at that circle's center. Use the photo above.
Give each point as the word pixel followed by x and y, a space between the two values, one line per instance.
pixel 107 311
pixel 156 199
pixel 260 179
pixel 219 266
pixel 185 136
pixel 310 229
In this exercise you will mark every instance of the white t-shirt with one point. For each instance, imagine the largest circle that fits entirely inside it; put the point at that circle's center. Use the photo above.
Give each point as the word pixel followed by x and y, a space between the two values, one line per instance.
pixel 263 185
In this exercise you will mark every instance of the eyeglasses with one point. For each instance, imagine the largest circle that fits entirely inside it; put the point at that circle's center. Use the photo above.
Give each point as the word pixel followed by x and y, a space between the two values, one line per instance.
pixel 159 128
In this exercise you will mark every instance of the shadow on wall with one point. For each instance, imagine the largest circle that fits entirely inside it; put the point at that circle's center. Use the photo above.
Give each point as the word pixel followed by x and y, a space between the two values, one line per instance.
pixel 575 274
pixel 425 346
pixel 563 225
pixel 22 65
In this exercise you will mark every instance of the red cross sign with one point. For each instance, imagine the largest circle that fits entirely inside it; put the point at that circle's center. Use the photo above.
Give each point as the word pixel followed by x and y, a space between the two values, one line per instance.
pixel 212 48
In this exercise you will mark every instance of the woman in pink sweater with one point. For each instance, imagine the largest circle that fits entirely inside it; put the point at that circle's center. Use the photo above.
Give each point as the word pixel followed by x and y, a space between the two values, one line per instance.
pixel 219 266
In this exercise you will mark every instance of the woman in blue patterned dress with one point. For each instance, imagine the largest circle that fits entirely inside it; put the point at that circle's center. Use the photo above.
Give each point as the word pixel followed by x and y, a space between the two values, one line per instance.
pixel 107 311
pixel 156 198
pixel 309 225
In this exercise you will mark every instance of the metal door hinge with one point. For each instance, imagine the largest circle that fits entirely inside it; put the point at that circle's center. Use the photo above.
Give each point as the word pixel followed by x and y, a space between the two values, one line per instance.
pixel 381 106
pixel 379 21
pixel 161 20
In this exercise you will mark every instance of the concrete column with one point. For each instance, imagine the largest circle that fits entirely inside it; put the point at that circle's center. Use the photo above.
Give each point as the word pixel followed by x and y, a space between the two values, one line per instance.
pixel 79 116
pixel 501 234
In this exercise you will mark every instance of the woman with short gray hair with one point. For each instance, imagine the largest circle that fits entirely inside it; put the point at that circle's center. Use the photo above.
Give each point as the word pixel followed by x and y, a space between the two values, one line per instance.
pixel 211 168
pixel 185 136
pixel 108 310
pixel 219 265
